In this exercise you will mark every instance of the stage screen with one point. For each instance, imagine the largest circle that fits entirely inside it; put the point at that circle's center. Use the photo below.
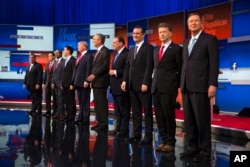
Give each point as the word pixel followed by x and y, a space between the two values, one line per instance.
pixel 71 34
pixel 28 38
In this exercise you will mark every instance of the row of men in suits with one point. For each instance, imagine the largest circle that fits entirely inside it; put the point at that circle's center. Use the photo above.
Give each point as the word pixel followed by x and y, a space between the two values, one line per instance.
pixel 193 68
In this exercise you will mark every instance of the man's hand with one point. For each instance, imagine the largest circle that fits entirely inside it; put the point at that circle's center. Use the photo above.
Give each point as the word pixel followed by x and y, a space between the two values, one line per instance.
pixel 91 77
pixel 52 86
pixel 71 87
pixel 211 91
pixel 144 88
pixel 123 86
pixel 85 84
pixel 37 86
pixel 112 72
pixel 43 86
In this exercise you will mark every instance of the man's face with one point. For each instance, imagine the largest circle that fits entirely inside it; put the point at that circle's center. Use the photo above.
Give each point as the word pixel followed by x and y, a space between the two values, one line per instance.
pixel 66 52
pixel 81 47
pixel 116 44
pixel 50 57
pixel 138 36
pixel 194 23
pixel 58 54
pixel 32 58
pixel 96 41
pixel 164 34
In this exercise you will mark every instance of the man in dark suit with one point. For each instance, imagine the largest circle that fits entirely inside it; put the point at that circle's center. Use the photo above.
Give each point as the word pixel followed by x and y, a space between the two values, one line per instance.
pixel 33 82
pixel 120 98
pixel 47 81
pixel 138 76
pixel 57 84
pixel 67 85
pixel 199 80
pixel 166 81
pixel 99 79
pixel 82 71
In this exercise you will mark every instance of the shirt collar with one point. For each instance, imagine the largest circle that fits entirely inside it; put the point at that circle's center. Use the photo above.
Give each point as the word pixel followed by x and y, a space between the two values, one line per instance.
pixel 166 45
pixel 197 36
pixel 99 48
pixel 139 44
pixel 84 52
pixel 120 50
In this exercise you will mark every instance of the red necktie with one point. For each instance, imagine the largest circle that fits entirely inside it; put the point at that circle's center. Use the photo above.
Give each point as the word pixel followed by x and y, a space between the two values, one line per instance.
pixel 50 66
pixel 78 59
pixel 160 55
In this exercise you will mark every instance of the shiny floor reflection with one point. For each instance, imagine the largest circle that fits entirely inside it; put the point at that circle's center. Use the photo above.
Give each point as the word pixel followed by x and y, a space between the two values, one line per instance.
pixel 40 141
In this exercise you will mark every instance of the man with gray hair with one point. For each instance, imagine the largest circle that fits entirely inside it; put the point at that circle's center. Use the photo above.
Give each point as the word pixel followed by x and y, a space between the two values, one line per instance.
pixel 83 67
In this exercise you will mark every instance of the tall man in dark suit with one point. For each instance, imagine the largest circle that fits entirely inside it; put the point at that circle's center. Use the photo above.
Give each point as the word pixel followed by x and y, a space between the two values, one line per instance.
pixel 67 85
pixel 166 81
pixel 33 82
pixel 120 98
pixel 82 70
pixel 57 84
pixel 47 81
pixel 99 79
pixel 198 84
pixel 138 76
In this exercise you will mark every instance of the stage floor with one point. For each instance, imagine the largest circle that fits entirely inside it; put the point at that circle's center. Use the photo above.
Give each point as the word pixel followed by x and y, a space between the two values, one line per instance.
pixel 40 141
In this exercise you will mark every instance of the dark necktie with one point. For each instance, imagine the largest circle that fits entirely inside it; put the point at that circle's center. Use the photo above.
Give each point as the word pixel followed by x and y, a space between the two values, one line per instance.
pixel 135 52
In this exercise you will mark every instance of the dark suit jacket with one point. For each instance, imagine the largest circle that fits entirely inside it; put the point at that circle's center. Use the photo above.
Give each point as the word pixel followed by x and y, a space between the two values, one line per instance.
pixel 200 69
pixel 100 69
pixel 57 73
pixel 119 66
pixel 167 72
pixel 82 70
pixel 47 80
pixel 68 72
pixel 139 71
pixel 34 76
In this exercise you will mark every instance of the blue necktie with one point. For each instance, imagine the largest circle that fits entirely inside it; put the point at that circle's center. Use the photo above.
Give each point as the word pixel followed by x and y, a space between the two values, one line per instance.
pixel 116 56
pixel 191 45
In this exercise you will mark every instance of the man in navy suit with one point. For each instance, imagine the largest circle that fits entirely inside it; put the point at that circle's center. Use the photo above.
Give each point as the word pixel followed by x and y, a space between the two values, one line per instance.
pixel 57 84
pixel 67 85
pixel 47 81
pixel 166 81
pixel 33 82
pixel 199 80
pixel 83 67
pixel 120 98
pixel 138 78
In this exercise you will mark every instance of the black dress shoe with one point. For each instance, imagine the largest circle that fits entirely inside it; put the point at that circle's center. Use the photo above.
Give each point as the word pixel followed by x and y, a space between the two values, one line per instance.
pixel 146 140
pixel 201 158
pixel 135 139
pixel 47 114
pixel 188 154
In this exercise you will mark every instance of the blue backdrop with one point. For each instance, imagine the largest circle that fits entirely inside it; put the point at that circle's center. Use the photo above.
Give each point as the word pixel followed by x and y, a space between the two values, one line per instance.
pixel 49 12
